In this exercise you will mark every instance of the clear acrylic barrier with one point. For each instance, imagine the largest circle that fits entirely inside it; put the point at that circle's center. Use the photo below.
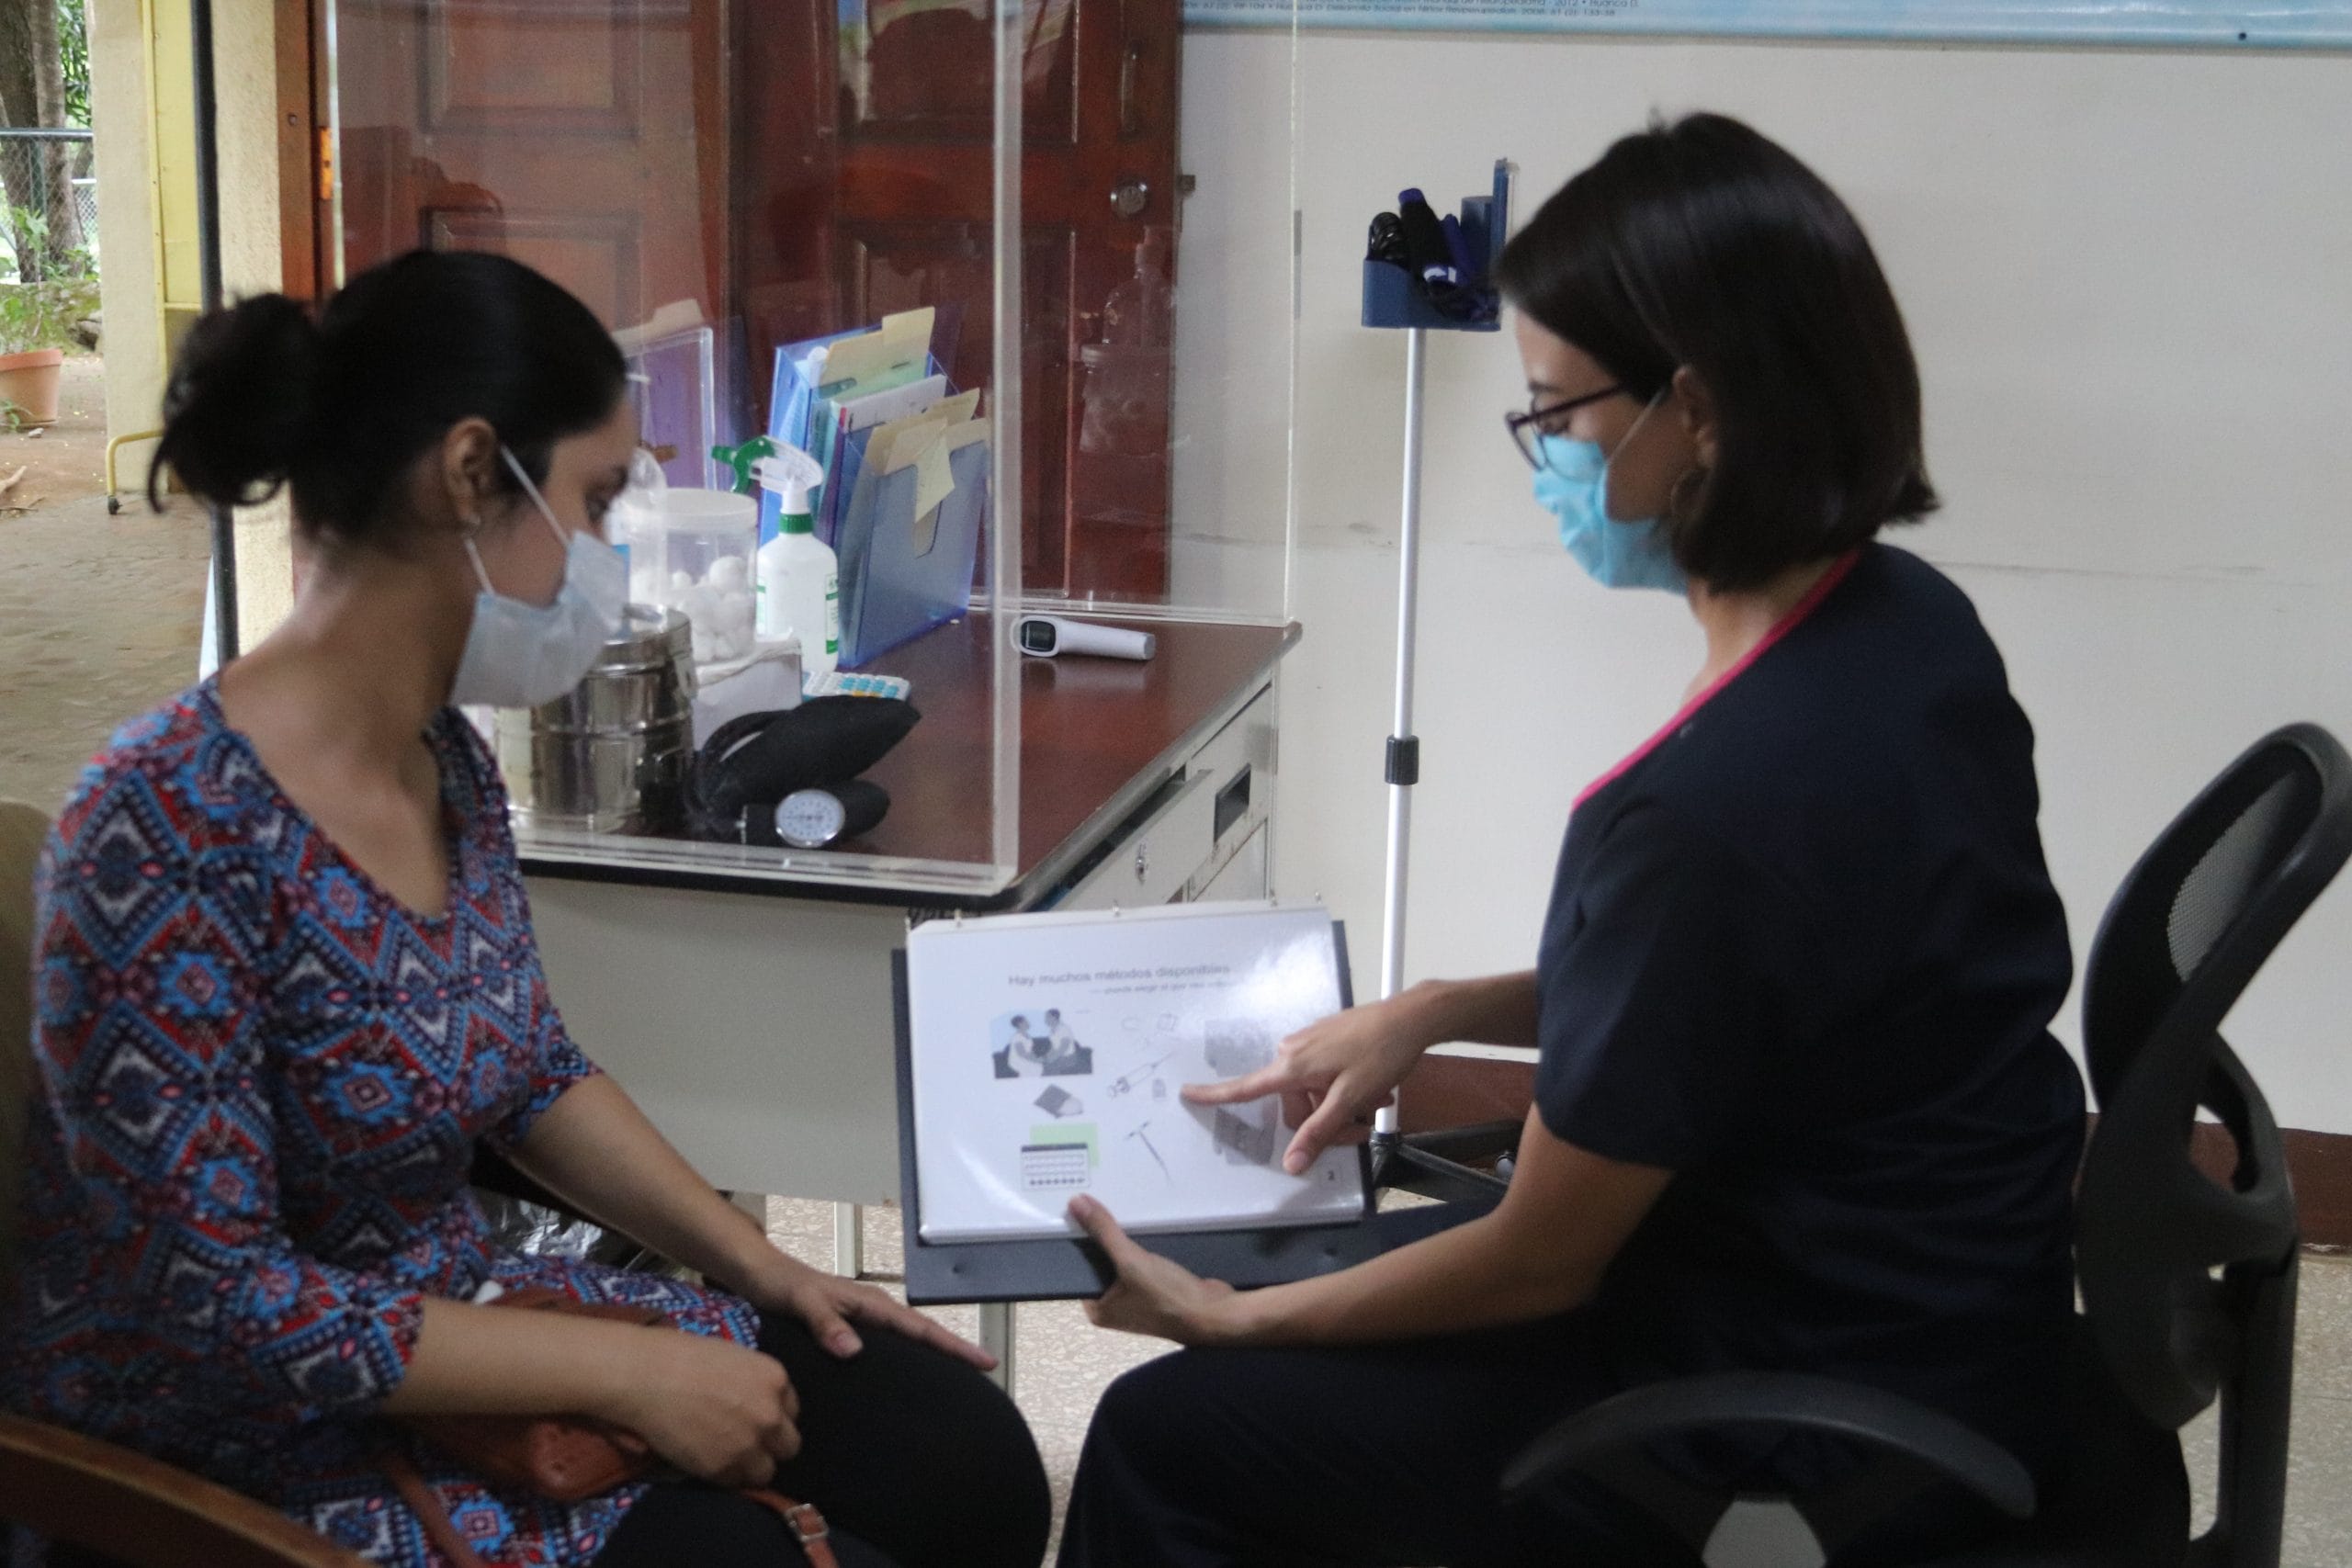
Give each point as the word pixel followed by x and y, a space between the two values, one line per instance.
pixel 719 179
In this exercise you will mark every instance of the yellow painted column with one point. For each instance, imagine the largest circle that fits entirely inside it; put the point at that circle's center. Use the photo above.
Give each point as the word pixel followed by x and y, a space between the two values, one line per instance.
pixel 251 261
pixel 144 106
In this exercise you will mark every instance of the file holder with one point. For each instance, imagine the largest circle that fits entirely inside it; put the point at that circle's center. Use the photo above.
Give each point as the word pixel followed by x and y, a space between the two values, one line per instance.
pixel 794 407
pixel 1393 299
pixel 903 574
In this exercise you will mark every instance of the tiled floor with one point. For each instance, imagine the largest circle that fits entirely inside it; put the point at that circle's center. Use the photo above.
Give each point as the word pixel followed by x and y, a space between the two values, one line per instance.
pixel 1063 1362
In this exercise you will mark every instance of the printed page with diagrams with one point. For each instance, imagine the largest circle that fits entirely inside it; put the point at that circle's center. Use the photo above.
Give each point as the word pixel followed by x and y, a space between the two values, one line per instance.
pixel 1049 1052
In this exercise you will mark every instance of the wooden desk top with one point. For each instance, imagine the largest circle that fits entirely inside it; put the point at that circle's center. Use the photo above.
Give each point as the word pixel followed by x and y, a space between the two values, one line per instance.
pixel 1090 729
pixel 1099 735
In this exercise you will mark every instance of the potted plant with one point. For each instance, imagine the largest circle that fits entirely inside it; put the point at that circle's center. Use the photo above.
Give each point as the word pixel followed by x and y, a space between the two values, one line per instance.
pixel 36 320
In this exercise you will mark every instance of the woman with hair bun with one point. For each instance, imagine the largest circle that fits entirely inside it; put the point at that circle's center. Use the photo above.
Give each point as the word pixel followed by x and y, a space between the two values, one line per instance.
pixel 285 982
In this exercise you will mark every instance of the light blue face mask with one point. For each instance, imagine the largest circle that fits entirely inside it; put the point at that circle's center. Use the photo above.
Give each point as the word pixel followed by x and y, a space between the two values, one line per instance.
pixel 1573 485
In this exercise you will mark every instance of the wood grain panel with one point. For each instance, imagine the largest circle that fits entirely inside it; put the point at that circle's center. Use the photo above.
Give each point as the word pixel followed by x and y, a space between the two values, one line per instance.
pixel 574 67
pixel 919 70
pixel 864 154
pixel 596 256
pixel 900 265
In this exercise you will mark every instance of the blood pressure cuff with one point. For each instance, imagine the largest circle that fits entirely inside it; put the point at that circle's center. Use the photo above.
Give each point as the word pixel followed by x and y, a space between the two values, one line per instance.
pixel 761 757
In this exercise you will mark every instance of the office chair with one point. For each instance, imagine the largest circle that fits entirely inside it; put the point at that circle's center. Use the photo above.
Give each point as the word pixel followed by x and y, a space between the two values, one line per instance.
pixel 2187 1289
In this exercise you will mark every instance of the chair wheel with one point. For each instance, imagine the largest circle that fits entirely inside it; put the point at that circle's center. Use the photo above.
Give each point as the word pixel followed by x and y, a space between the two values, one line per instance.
pixel 114 507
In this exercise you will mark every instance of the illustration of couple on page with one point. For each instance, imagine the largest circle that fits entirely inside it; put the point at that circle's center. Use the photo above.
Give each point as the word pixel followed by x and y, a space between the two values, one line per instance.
pixel 1047 1051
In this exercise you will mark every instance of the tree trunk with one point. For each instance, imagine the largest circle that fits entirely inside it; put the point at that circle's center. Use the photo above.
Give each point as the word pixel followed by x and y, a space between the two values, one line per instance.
pixel 19 104
pixel 19 96
pixel 37 174
pixel 49 102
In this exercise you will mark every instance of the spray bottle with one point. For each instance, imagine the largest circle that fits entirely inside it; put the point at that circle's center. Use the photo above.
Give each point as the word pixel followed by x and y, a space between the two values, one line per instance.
pixel 799 578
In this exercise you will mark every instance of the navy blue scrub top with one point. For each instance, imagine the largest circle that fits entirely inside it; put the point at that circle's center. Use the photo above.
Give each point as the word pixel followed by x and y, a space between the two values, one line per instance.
pixel 1802 951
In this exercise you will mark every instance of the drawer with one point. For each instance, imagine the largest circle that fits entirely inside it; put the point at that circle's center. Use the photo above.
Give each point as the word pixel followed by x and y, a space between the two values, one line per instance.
pixel 1152 863
pixel 1243 877
pixel 1239 759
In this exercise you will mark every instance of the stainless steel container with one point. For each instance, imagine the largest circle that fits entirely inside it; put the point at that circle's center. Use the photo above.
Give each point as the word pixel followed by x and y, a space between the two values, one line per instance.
pixel 614 755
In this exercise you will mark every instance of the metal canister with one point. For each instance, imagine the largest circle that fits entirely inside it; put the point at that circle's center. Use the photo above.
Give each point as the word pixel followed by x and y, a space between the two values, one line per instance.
pixel 614 755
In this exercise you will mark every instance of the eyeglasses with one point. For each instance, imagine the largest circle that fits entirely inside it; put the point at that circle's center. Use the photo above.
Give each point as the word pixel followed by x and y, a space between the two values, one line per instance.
pixel 1527 429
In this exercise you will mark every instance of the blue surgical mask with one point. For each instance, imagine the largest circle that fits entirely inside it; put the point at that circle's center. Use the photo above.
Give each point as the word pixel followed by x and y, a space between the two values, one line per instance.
pixel 1573 486
pixel 519 654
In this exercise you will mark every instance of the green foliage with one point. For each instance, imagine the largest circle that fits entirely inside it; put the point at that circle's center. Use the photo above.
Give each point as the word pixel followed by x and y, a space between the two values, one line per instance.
pixel 25 230
pixel 74 44
pixel 41 315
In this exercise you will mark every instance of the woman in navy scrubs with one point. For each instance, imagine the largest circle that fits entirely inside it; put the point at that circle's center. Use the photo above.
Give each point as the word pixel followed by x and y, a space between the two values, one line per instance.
pixel 1797 1105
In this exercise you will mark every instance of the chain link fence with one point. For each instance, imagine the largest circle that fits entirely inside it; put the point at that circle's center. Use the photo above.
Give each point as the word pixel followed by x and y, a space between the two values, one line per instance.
pixel 48 205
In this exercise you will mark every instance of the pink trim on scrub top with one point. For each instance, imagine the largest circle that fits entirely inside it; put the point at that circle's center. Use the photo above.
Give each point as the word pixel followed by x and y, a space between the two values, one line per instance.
pixel 1806 606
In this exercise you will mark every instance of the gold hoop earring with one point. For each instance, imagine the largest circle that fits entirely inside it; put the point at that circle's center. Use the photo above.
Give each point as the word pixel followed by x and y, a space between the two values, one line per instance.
pixel 1678 508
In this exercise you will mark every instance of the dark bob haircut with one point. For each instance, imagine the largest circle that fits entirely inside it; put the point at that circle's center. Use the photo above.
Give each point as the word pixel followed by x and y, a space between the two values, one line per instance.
pixel 339 408
pixel 1704 245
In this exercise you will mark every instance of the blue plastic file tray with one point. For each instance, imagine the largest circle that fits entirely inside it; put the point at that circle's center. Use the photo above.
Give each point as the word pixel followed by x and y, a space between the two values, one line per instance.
pixel 792 405
pixel 899 575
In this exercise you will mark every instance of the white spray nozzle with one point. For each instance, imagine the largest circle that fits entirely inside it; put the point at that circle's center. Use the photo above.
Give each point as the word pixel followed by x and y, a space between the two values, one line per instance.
pixel 791 474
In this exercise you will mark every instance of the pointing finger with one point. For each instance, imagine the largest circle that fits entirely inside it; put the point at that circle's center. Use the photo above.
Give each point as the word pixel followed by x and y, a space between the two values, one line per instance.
pixel 1248 1085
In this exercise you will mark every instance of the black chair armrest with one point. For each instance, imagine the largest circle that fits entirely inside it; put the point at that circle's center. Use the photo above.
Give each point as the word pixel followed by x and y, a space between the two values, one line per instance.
pixel 1913 1449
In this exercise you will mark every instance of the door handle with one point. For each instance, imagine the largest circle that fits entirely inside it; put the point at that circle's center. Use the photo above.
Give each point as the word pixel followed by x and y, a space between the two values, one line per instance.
pixel 1130 197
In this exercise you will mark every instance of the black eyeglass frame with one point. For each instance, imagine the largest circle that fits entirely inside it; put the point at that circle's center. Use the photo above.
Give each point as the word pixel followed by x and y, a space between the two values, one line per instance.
pixel 1519 424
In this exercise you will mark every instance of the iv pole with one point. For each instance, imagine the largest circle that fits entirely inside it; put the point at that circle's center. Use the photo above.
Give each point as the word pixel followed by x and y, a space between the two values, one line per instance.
pixel 1391 299
pixel 1404 767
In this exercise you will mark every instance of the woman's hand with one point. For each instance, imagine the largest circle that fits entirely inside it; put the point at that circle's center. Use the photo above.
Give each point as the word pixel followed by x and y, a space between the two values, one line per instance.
pixel 1152 1296
pixel 829 1304
pixel 715 1409
pixel 1333 1074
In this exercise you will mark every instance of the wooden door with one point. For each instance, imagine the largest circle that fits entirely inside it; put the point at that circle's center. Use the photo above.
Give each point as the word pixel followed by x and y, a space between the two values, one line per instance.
pixel 808 166
pixel 864 185
pixel 587 138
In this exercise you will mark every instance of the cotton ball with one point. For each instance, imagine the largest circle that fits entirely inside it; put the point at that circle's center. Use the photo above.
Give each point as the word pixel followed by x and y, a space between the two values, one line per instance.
pixel 727 573
pixel 732 621
pixel 681 581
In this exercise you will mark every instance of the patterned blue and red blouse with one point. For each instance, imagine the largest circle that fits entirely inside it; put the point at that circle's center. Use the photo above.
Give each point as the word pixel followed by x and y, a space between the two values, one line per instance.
pixel 260 1083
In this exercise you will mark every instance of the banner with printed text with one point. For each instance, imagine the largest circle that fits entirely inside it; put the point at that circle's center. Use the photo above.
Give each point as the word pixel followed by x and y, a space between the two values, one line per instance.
pixel 2286 24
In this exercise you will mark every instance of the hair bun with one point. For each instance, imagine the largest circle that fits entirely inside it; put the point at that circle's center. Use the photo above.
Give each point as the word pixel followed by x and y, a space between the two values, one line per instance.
pixel 235 412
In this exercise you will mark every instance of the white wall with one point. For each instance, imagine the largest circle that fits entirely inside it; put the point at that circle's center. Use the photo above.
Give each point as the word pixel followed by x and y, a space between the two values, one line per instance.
pixel 2129 280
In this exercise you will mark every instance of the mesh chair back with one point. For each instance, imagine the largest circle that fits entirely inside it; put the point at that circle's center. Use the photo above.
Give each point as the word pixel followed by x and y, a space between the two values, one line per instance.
pixel 2165 1256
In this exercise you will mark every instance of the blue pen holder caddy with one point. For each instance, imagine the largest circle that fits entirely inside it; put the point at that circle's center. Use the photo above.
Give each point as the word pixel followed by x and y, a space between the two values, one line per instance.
pixel 1392 298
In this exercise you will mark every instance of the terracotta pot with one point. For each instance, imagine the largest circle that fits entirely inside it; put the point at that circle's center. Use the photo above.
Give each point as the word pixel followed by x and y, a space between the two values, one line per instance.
pixel 29 381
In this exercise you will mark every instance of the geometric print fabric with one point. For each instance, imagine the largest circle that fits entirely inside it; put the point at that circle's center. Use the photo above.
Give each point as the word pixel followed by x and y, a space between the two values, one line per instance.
pixel 261 1081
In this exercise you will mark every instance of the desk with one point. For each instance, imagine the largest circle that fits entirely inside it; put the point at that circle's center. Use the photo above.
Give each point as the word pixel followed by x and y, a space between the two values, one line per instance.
pixel 746 1002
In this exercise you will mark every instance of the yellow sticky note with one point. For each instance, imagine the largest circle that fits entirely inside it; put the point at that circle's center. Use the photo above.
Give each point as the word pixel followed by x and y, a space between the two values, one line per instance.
pixel 934 481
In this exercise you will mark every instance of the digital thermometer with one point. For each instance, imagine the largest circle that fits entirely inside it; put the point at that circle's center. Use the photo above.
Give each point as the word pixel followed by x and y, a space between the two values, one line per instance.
pixel 1049 636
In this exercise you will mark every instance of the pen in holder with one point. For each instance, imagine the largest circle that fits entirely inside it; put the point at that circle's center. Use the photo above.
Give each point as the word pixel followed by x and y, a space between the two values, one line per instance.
pixel 1395 297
